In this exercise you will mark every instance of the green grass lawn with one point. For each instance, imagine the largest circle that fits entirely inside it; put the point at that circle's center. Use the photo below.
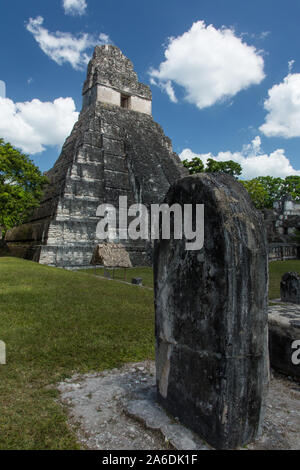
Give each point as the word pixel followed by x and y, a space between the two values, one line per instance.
pixel 145 273
pixel 277 269
pixel 57 322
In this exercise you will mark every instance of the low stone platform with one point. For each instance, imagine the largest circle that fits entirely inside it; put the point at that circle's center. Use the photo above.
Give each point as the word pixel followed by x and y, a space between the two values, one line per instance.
pixel 284 330
pixel 117 410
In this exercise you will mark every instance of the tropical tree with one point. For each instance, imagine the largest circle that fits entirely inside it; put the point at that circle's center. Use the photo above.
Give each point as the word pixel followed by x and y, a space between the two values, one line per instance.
pixel 276 188
pixel 257 192
pixel 21 186
pixel 273 186
pixel 196 165
pixel 230 167
pixel 291 186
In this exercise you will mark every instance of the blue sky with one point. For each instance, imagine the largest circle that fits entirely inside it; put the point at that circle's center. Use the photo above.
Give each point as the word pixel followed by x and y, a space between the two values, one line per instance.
pixel 225 74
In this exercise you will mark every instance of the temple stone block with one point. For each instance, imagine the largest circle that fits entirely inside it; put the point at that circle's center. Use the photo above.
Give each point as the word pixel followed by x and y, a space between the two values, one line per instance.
pixel 141 105
pixel 211 315
pixel 108 95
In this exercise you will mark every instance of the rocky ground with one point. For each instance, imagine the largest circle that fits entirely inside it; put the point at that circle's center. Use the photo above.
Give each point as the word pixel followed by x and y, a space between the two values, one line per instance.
pixel 116 410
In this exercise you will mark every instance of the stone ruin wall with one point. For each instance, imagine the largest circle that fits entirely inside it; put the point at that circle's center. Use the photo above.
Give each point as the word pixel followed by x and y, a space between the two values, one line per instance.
pixel 282 221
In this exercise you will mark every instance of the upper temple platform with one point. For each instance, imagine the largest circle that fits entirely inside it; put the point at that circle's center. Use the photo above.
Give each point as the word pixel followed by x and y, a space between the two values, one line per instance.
pixel 112 80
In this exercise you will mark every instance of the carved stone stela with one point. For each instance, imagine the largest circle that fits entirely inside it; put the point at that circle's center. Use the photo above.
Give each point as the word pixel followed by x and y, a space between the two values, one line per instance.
pixel 211 315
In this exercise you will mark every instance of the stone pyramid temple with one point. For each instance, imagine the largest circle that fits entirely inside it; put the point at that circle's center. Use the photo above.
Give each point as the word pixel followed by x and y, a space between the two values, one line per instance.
pixel 115 149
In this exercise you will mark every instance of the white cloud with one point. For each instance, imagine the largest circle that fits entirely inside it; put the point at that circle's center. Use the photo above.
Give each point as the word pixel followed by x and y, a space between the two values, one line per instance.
pixel 253 161
pixel 2 89
pixel 33 125
pixel 283 106
pixel 104 38
pixel 210 64
pixel 74 7
pixel 167 87
pixel 291 65
pixel 264 34
pixel 64 47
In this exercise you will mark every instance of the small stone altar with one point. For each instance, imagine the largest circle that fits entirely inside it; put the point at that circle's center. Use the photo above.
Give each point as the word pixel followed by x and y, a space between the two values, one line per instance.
pixel 290 288
pixel 284 331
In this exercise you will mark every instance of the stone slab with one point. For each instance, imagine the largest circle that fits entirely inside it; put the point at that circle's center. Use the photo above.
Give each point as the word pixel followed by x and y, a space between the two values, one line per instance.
pixel 284 330
pixel 116 410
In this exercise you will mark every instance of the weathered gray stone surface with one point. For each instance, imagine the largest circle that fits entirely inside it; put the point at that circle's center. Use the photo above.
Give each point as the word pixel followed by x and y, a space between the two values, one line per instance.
pixel 290 288
pixel 284 329
pixel 2 352
pixel 211 315
pixel 116 73
pixel 117 409
pixel 282 220
pixel 113 255
pixel 111 152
